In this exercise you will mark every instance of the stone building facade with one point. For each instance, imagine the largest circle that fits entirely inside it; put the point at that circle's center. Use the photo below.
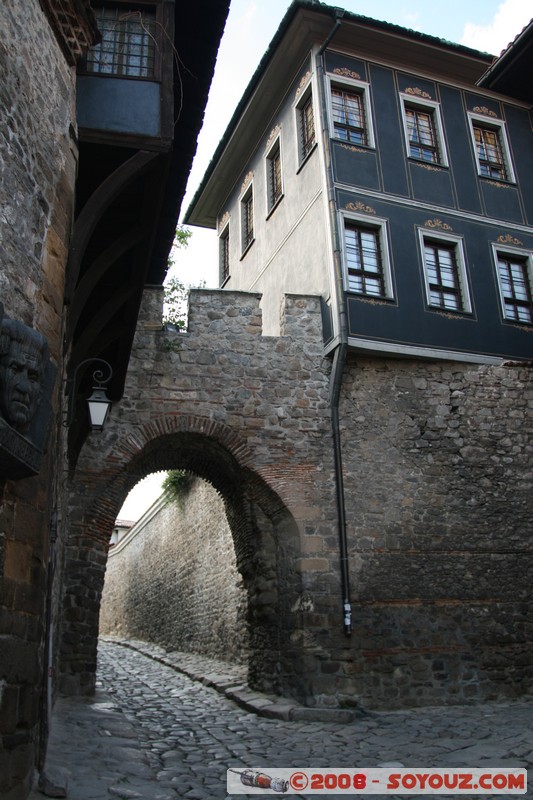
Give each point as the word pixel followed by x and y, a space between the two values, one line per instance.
pixel 38 154
pixel 41 194
pixel 436 456
pixel 436 463
pixel 173 579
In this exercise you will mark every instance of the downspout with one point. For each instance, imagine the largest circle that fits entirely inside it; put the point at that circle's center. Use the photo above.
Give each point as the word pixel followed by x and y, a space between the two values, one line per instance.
pixel 339 357
pixel 46 705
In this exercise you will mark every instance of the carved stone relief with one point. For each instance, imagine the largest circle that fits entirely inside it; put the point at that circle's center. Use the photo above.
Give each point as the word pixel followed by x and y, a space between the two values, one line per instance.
pixel 26 383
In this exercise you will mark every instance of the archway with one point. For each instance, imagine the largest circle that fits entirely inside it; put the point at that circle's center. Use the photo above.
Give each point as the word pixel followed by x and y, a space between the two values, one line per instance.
pixel 171 577
pixel 265 537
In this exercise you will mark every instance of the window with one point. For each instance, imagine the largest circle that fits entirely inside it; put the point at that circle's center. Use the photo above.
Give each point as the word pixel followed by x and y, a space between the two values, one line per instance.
pixel 423 131
pixel 489 153
pixel 421 135
pixel 367 262
pixel 491 149
pixel 445 273
pixel 350 114
pixel 224 255
pixel 247 218
pixel 515 281
pixel 275 189
pixel 128 43
pixel 306 127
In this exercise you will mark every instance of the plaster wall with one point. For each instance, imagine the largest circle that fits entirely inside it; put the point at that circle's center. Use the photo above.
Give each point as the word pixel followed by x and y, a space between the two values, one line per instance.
pixel 288 252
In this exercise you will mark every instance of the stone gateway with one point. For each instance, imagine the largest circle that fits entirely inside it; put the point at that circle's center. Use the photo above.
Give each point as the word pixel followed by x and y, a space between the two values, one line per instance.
pixel 436 462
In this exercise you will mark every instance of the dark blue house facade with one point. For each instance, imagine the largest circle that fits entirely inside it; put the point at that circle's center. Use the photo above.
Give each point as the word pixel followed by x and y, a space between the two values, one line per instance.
pixel 424 176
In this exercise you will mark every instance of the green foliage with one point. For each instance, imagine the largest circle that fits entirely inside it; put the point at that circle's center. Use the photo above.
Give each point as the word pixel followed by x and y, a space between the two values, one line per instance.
pixel 176 295
pixel 182 236
pixel 176 485
pixel 176 291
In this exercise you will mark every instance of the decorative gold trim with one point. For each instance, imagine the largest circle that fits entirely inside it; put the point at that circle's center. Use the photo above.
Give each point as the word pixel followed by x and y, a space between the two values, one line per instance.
pixel 354 149
pixel 273 135
pixel 223 221
pixel 497 183
pixel 374 301
pixel 303 83
pixel 437 310
pixel 524 327
pixel 437 223
pixel 247 181
pixel 414 90
pixel 427 166
pixel 484 110
pixel 508 239
pixel 347 73
pixel 359 206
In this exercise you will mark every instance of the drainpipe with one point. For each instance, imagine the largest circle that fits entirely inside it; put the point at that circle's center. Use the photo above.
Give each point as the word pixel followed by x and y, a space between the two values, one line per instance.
pixel 339 357
pixel 48 646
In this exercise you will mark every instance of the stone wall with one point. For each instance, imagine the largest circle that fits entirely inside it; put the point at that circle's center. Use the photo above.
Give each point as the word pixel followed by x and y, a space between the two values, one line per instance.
pixel 37 174
pixel 437 472
pixel 173 579
pixel 217 401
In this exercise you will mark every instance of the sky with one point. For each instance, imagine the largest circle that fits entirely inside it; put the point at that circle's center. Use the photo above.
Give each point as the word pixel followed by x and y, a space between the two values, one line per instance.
pixel 487 25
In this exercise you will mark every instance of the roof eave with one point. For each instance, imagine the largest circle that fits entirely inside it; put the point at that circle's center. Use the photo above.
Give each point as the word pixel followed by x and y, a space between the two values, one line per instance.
pixel 197 213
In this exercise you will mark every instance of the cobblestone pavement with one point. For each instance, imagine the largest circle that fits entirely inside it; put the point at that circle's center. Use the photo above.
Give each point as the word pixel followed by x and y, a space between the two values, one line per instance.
pixel 152 733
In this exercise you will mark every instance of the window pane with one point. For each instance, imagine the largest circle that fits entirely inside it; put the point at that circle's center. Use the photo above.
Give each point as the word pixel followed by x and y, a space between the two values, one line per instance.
pixel 516 288
pixel 224 256
pixel 489 152
pixel 247 220
pixel 442 275
pixel 128 43
pixel 348 111
pixel 373 286
pixel 307 125
pixel 356 283
pixel 450 301
pixel 274 165
pixel 364 261
pixel 421 134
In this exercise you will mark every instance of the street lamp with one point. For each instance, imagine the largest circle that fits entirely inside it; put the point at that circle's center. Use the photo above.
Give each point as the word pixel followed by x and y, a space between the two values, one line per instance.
pixel 98 402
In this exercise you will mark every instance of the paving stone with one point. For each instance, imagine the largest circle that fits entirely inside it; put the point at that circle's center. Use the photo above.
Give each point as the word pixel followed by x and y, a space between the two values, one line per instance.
pixel 151 733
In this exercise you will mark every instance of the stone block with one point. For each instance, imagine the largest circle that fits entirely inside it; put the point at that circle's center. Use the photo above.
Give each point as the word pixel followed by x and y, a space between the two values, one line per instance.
pixel 18 561
pixel 9 696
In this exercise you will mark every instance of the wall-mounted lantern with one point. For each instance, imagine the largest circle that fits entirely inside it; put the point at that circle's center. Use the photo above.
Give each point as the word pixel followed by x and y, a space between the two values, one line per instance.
pixel 98 402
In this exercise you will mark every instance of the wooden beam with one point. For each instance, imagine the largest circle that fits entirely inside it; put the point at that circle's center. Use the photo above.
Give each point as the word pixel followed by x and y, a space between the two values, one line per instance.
pixel 96 207
pixel 96 272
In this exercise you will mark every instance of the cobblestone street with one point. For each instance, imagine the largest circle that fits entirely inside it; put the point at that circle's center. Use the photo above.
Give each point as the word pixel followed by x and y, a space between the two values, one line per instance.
pixel 153 733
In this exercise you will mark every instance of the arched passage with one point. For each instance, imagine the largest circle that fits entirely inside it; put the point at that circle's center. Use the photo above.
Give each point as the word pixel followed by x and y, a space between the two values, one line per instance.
pixel 265 536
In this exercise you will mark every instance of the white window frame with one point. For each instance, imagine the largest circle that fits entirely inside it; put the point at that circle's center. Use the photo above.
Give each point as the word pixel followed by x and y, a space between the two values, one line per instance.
pixel 458 244
pixel 305 96
pixel 362 88
pixel 248 191
pixel 381 226
pixel 222 237
pixel 274 148
pixel 518 253
pixel 432 108
pixel 499 125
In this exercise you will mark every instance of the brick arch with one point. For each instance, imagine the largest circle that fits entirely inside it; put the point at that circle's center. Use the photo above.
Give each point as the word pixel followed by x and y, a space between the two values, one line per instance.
pixel 265 535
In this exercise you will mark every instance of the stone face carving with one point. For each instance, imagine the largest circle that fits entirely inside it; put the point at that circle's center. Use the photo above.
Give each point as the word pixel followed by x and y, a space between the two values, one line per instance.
pixel 26 382
pixel 23 357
